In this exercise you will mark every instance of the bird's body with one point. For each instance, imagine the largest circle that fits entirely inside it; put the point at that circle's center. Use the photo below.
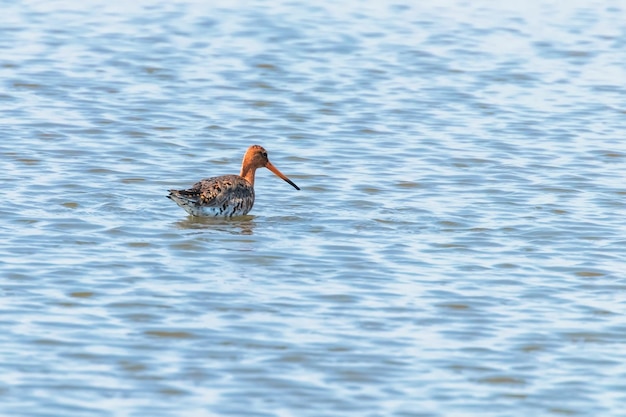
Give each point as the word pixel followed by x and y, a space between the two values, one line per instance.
pixel 227 195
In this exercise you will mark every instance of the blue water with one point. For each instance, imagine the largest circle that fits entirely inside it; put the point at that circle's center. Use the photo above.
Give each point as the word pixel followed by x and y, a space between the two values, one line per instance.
pixel 457 247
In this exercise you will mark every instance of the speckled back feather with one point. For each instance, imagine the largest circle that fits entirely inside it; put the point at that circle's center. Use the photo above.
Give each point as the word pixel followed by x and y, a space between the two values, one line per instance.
pixel 228 195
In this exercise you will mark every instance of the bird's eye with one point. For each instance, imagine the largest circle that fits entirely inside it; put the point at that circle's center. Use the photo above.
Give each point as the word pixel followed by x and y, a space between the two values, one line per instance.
pixel 264 154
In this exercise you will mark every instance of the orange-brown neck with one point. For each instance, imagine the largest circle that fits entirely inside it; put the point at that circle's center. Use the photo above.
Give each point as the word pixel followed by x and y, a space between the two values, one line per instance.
pixel 247 172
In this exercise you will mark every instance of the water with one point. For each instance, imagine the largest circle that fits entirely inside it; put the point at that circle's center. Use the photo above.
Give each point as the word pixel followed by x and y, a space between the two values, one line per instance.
pixel 457 247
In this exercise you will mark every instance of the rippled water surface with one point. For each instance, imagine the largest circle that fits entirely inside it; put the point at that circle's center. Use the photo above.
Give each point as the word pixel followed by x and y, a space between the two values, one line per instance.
pixel 458 246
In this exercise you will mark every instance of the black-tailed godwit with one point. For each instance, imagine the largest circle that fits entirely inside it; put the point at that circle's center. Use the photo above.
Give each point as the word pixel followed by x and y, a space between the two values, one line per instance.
pixel 228 195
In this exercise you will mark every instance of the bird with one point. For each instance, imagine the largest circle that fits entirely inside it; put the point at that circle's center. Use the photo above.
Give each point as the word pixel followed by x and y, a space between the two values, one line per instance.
pixel 227 195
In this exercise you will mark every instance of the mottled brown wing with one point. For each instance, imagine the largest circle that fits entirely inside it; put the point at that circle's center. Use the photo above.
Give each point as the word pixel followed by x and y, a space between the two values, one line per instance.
pixel 217 191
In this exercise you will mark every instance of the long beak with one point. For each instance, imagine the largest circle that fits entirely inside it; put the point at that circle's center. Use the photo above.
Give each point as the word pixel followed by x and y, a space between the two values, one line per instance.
pixel 279 174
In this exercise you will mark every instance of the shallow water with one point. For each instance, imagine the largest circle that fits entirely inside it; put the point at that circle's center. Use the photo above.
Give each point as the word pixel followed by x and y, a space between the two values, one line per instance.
pixel 457 247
